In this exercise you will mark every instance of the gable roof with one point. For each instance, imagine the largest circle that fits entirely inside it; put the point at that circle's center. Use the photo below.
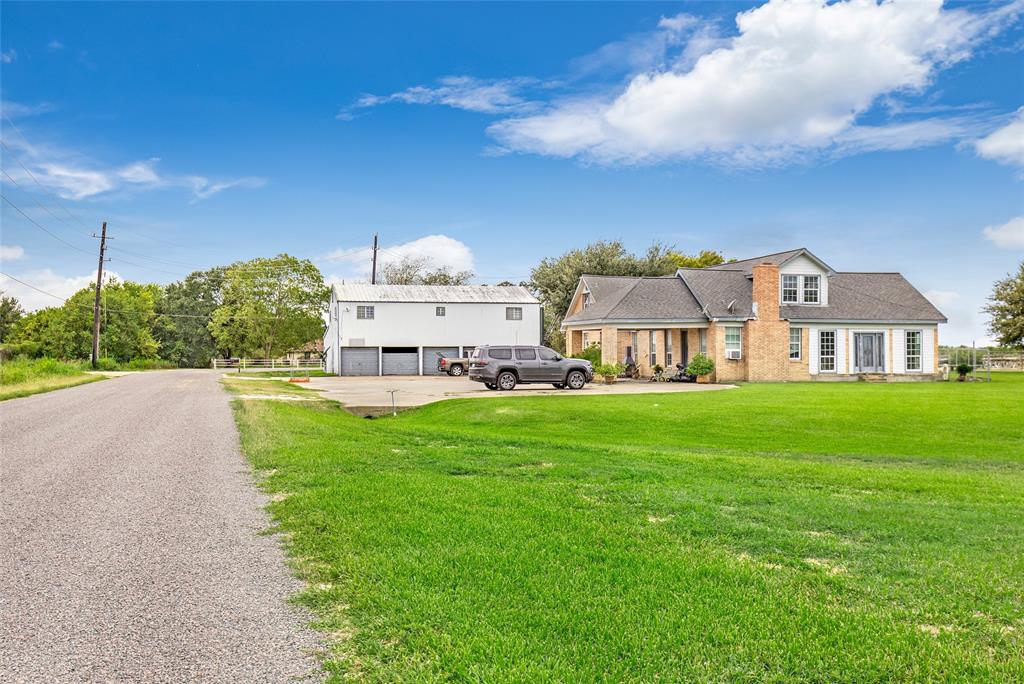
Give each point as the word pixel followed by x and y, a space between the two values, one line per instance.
pixel 869 297
pixel 779 258
pixel 439 294
pixel 631 298
pixel 716 289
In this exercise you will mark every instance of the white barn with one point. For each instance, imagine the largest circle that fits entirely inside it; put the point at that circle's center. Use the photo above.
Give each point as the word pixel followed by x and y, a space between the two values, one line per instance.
pixel 400 329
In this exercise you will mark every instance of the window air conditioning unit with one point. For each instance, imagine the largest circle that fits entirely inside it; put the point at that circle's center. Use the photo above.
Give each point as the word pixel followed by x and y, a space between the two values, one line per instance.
pixel 733 354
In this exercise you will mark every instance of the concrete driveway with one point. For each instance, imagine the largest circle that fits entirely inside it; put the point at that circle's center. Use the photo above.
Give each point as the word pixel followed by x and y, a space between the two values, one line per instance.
pixel 131 545
pixel 416 390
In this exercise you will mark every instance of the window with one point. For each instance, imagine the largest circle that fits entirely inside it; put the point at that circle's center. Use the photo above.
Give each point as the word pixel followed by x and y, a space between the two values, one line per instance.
pixel 364 312
pixel 526 354
pixel 652 338
pixel 702 341
pixel 794 344
pixel 499 353
pixel 668 348
pixel 586 339
pixel 513 313
pixel 811 289
pixel 547 354
pixel 586 298
pixel 733 339
pixel 439 311
pixel 827 351
pixel 790 288
pixel 913 349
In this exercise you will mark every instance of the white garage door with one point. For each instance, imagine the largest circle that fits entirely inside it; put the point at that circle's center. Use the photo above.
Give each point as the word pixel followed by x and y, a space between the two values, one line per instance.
pixel 400 361
pixel 359 361
pixel 430 358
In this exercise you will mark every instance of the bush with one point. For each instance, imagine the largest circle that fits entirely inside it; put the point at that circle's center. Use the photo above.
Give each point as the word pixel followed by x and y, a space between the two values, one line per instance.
pixel 963 369
pixel 29 350
pixel 700 365
pixel 106 364
pixel 22 370
pixel 608 370
pixel 591 354
pixel 149 364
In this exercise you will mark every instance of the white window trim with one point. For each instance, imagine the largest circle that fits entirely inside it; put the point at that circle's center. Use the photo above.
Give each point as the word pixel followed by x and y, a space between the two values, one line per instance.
pixel 440 311
pixel 702 341
pixel 668 349
pixel 509 316
pixel 366 309
pixel 799 344
pixel 835 352
pixel 725 337
pixel 920 351
pixel 801 289
pixel 652 353
pixel 782 288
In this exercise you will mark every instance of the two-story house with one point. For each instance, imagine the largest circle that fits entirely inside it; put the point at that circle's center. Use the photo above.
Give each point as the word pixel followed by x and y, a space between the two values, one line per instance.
pixel 785 316
pixel 400 329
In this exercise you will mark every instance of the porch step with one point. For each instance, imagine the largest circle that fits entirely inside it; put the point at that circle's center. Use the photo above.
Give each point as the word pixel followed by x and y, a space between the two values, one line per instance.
pixel 872 377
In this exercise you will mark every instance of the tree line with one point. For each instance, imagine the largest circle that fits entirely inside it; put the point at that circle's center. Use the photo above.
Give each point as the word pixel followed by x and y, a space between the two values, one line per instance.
pixel 265 307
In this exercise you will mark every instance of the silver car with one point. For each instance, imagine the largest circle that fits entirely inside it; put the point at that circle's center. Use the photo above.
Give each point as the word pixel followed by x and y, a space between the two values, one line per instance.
pixel 502 367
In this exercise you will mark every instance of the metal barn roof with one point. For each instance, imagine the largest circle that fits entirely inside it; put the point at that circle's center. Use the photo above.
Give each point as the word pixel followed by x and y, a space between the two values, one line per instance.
pixel 440 294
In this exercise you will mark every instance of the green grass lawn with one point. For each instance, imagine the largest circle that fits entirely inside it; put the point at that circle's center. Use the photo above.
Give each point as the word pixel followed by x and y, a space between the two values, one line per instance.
pixel 24 377
pixel 798 532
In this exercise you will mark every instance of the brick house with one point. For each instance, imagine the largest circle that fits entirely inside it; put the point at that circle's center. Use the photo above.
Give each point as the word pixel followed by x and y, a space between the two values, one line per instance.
pixel 785 316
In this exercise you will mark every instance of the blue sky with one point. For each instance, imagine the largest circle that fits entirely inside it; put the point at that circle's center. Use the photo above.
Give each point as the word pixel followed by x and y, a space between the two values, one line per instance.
pixel 488 136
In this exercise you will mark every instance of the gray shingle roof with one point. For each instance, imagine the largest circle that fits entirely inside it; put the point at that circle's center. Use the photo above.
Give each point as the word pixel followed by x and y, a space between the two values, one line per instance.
pixel 638 299
pixel 869 297
pixel 441 294
pixel 716 288
pixel 779 258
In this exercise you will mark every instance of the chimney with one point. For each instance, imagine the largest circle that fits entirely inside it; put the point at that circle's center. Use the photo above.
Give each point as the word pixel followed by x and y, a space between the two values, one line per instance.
pixel 766 291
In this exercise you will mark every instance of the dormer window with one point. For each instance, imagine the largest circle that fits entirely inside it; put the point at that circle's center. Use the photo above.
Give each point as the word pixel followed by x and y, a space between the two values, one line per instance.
pixel 801 289
pixel 586 298
pixel 811 285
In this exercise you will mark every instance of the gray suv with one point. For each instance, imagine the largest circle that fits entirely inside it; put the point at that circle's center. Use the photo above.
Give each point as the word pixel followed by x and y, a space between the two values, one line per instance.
pixel 502 367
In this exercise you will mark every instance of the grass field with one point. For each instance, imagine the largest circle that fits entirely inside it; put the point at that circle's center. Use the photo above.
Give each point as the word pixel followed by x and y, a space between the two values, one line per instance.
pixel 799 532
pixel 23 377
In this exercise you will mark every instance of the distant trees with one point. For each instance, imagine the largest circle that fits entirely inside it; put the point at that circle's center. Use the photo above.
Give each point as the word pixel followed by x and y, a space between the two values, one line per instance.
pixel 184 314
pixel 269 306
pixel 10 313
pixel 1006 308
pixel 412 270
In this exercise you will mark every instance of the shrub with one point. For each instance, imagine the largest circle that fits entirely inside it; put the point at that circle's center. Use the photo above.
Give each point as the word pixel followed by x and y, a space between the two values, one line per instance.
pixel 149 364
pixel 608 370
pixel 22 370
pixel 591 354
pixel 29 350
pixel 963 369
pixel 106 363
pixel 700 365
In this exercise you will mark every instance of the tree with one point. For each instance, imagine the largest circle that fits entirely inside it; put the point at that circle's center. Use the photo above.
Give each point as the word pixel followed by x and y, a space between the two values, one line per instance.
pixel 184 315
pixel 417 271
pixel 555 279
pixel 269 306
pixel 1006 307
pixel 10 313
pixel 704 259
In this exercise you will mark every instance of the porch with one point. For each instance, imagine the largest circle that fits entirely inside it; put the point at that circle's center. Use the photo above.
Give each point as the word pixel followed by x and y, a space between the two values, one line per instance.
pixel 646 346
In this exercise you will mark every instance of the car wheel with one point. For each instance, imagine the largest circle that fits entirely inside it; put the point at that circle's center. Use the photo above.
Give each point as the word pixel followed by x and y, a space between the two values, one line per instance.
pixel 455 371
pixel 576 380
pixel 507 381
pixel 558 385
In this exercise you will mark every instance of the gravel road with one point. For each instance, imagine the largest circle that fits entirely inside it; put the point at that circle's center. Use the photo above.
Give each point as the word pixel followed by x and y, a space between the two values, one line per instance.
pixel 130 546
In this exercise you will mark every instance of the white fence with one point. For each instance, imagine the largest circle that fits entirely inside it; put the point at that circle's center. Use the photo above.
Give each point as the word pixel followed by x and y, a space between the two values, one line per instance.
pixel 267 364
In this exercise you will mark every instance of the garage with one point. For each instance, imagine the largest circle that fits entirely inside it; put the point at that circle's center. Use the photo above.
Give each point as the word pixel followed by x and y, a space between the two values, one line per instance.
pixel 359 361
pixel 430 358
pixel 400 361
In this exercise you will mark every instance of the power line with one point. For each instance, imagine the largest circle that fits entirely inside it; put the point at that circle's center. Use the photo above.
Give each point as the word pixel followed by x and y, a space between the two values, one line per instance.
pixel 45 230
pixel 41 205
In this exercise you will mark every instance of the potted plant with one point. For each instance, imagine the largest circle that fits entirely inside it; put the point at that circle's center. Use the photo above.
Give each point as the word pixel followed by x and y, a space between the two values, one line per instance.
pixel 702 367
pixel 962 369
pixel 608 372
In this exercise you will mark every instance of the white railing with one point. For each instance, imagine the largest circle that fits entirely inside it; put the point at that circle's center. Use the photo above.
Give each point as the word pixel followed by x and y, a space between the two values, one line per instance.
pixel 266 364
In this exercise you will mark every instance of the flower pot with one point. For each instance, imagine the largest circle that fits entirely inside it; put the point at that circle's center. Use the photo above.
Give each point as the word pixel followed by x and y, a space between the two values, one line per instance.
pixel 961 378
pixel 609 379
pixel 703 379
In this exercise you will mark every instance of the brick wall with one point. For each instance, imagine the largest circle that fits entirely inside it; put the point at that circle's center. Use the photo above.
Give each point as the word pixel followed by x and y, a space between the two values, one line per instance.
pixel 767 336
pixel 725 369
pixel 800 370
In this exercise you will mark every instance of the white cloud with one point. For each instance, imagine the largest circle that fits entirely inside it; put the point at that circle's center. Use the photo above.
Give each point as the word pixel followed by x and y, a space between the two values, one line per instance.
pixel 1009 235
pixel 1005 145
pixel 14 110
pixel 51 282
pixel 795 80
pixel 458 92
pixel 11 253
pixel 74 176
pixel 440 250
pixel 55 45
pixel 8 56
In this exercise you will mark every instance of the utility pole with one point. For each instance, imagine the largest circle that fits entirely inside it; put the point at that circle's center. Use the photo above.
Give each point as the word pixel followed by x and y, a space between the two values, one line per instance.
pixel 96 304
pixel 373 273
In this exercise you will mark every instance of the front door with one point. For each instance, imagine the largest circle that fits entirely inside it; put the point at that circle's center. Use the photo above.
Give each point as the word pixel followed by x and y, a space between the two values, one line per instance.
pixel 869 354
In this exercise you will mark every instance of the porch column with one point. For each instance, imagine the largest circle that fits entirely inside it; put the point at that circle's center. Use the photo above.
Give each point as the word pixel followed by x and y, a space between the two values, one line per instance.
pixel 609 345
pixel 573 341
